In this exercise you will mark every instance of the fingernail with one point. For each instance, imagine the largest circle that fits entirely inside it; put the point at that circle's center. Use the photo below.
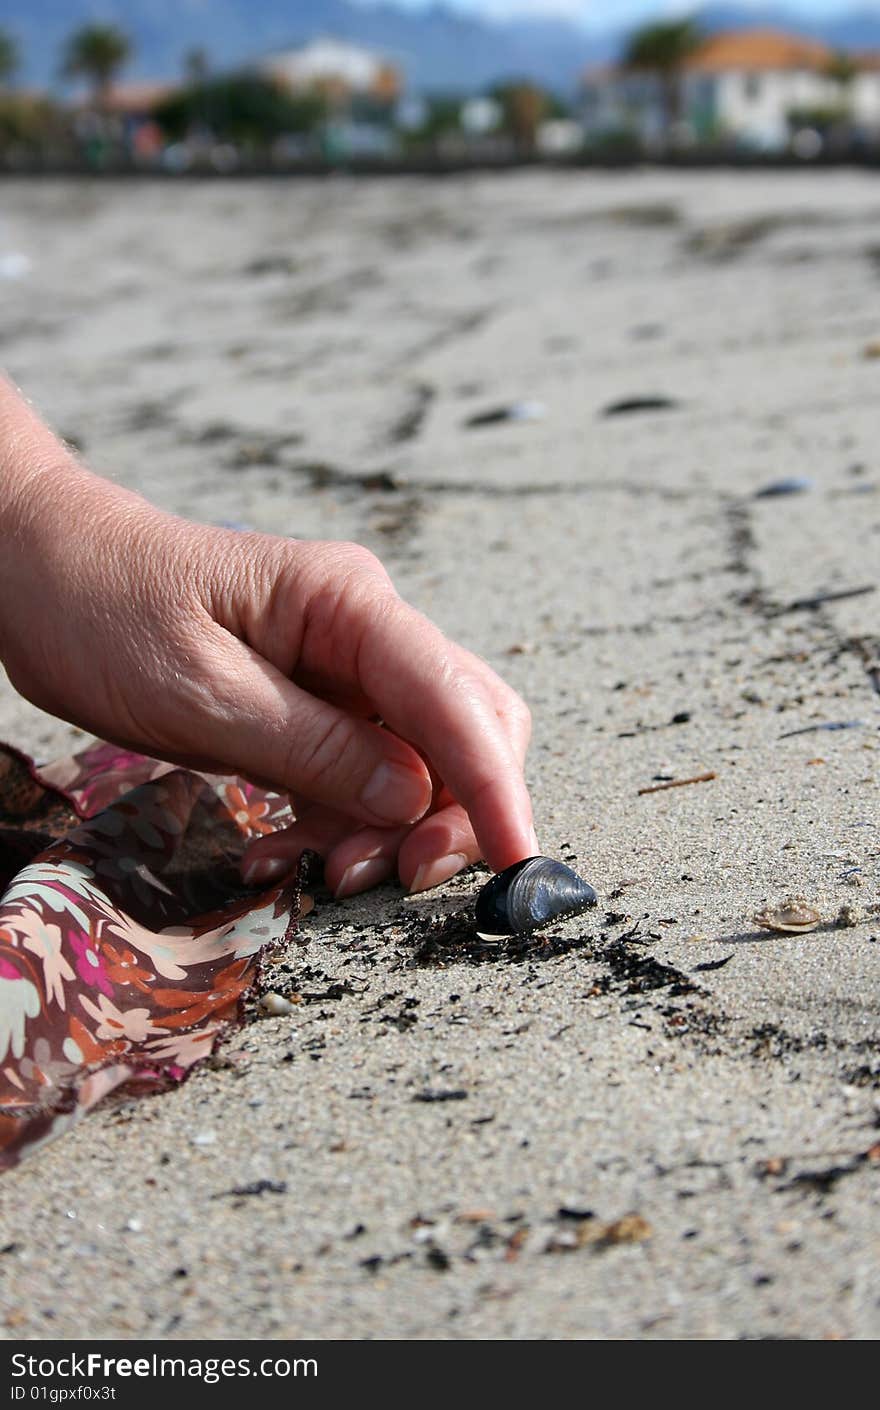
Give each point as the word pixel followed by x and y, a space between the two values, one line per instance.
pixel 432 873
pixel 360 876
pixel 395 794
pixel 265 870
pixel 535 844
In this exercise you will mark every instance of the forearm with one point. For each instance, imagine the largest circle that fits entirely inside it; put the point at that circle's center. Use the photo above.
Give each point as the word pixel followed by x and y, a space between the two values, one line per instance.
pixel 61 530
pixel 41 480
pixel 33 462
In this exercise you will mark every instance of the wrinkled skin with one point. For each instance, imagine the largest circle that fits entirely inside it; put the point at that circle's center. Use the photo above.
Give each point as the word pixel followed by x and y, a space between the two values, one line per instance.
pixel 272 658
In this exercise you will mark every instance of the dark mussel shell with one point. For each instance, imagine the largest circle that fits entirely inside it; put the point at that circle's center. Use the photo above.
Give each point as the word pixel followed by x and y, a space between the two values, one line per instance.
pixel 530 894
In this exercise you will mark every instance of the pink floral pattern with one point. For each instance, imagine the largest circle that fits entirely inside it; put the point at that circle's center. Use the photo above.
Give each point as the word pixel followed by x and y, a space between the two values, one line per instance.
pixel 127 941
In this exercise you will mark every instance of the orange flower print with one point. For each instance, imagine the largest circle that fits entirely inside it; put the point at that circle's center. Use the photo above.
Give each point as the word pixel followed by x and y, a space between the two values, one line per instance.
pixel 197 1005
pixel 80 1046
pixel 123 968
pixel 250 817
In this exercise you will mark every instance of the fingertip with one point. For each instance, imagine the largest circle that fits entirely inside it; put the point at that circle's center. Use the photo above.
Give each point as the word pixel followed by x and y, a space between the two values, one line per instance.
pixel 360 876
pixel 437 849
pixel 263 871
pixel 442 869
pixel 260 865
pixel 349 868
pixel 504 849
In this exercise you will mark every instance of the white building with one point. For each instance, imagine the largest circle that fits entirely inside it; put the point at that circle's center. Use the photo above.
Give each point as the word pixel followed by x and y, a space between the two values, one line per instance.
pixel 751 86
pixel 865 92
pixel 333 65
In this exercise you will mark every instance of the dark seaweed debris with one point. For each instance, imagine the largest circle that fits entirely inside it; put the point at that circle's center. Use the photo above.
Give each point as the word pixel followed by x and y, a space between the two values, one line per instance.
pixel 828 725
pixel 408 426
pixel 641 973
pixel 819 599
pixel 712 964
pixel 441 1094
pixel 454 940
pixel 823 1181
pixel 769 1040
pixel 323 476
pixel 256 1187
pixel 868 1075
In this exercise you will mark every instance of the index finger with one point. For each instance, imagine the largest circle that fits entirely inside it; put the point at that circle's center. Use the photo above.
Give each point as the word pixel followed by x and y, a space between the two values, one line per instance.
pixel 472 728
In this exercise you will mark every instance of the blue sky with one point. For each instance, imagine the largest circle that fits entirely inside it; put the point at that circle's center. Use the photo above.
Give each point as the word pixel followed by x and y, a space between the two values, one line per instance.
pixel 602 13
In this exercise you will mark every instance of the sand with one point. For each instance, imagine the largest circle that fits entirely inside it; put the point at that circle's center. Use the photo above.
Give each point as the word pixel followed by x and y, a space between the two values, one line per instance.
pixel 255 354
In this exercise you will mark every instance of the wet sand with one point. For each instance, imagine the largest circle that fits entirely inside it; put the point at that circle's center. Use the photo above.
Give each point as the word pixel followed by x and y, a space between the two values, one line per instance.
pixel 455 1138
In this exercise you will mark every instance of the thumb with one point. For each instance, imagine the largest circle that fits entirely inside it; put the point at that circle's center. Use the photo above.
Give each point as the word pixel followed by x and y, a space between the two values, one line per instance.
pixel 260 724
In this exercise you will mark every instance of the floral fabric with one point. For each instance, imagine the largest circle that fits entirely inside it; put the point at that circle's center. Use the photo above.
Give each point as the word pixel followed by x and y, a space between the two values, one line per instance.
pixel 127 940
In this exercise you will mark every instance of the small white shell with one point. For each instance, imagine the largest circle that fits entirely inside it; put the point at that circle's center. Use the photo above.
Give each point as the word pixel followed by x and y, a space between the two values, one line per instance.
pixel 794 916
pixel 276 1004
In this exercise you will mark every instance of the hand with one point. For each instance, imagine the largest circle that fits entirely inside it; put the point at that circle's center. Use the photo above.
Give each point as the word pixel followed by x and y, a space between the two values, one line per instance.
pixel 272 658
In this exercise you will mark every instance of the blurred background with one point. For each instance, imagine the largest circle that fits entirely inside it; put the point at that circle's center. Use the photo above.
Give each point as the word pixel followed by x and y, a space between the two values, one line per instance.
pixel 231 85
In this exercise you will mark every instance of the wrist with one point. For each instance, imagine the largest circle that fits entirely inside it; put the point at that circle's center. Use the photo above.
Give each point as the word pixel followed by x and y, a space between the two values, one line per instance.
pixel 56 517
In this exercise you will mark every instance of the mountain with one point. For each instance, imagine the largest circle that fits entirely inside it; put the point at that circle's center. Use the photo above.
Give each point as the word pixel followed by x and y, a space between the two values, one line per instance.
pixel 853 29
pixel 438 48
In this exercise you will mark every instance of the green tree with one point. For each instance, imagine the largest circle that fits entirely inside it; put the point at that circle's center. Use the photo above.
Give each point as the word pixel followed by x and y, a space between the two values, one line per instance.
pixel 96 53
pixel 241 108
pixel 441 118
pixel 31 124
pixel 842 69
pixel 662 49
pixel 8 56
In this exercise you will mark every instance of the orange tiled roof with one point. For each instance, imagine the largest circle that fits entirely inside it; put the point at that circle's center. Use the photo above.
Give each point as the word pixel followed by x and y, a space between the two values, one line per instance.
pixel 759 49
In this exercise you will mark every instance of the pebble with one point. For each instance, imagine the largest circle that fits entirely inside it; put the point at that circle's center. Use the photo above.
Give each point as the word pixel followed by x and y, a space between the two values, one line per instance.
pixel 850 915
pixel 516 411
pixel 796 484
pixel 630 404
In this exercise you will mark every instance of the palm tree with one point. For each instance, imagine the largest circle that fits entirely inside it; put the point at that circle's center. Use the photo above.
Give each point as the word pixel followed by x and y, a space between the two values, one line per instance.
pixel 662 49
pixel 523 105
pixel 8 56
pixel 196 65
pixel 96 52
